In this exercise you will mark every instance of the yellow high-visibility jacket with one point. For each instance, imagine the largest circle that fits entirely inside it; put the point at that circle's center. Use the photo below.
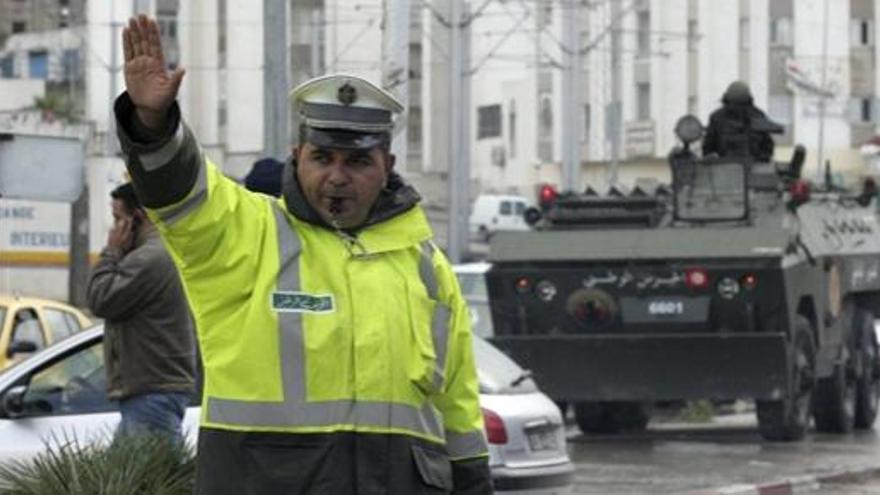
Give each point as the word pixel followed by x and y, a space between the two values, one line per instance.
pixel 302 329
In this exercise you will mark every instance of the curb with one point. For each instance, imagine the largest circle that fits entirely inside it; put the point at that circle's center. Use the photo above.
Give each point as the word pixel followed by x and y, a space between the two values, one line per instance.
pixel 794 485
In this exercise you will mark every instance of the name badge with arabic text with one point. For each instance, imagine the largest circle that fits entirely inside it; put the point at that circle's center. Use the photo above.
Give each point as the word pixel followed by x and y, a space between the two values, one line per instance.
pixel 300 302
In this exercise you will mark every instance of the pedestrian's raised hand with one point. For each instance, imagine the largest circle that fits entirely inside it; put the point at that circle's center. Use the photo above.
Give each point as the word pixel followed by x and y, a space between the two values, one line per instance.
pixel 151 86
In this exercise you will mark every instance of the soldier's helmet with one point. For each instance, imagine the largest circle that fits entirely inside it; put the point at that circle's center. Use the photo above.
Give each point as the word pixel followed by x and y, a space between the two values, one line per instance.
pixel 737 92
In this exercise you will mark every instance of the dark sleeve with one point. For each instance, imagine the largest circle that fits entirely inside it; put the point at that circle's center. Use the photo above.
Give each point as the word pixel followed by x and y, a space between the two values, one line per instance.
pixel 471 477
pixel 163 165
pixel 765 147
pixel 712 141
pixel 765 140
pixel 118 284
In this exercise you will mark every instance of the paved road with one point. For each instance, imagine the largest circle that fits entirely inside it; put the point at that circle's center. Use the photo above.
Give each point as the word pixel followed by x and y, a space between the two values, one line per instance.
pixel 674 457
pixel 857 485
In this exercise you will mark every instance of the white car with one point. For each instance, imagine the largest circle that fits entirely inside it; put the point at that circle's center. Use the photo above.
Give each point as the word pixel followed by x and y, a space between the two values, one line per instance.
pixel 58 393
pixel 494 212
pixel 472 279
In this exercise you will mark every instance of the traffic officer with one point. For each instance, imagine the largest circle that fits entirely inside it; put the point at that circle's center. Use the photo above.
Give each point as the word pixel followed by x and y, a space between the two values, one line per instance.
pixel 335 339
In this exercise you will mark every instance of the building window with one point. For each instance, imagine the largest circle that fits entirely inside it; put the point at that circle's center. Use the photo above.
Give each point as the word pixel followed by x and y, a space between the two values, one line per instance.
pixel 414 129
pixel 780 108
pixel 587 122
pixel 546 115
pixel 644 33
pixel 167 26
pixel 862 110
pixel 221 33
pixel 511 129
pixel 6 67
pixel 643 96
pixel 19 27
pixel 692 105
pixel 70 64
pixel 140 6
pixel 861 32
pixel 780 31
pixel 745 38
pixel 488 121
pixel 38 64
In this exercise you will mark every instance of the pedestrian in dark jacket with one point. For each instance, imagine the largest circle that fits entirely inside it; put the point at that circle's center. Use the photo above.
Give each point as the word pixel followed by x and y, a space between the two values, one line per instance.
pixel 149 340
pixel 739 128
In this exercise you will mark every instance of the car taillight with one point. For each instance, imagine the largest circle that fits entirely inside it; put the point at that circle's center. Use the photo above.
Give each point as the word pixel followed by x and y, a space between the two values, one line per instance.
pixel 696 278
pixel 749 281
pixel 496 433
pixel 523 285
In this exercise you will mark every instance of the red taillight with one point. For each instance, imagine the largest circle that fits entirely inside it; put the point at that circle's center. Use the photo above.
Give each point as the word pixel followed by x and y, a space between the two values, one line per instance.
pixel 523 285
pixel 749 281
pixel 548 194
pixel 696 278
pixel 495 431
pixel 800 191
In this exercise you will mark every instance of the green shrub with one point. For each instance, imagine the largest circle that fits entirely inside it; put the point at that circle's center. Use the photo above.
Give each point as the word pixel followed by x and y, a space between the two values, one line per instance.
pixel 698 411
pixel 132 465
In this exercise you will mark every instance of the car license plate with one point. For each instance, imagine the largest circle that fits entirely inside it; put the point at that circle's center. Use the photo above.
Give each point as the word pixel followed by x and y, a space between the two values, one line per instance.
pixel 541 439
pixel 670 308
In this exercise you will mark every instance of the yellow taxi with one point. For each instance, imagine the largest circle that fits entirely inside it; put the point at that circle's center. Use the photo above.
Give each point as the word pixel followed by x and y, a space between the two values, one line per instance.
pixel 28 324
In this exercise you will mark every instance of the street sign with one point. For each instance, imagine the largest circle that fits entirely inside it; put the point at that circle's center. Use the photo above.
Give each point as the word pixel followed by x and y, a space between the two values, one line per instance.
pixel 42 168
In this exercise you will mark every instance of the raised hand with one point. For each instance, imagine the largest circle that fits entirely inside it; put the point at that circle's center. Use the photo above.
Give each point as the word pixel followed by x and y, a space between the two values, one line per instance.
pixel 151 86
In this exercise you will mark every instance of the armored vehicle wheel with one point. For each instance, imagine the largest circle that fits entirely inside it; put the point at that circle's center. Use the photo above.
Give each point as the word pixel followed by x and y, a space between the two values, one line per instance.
pixel 612 417
pixel 789 418
pixel 868 383
pixel 834 401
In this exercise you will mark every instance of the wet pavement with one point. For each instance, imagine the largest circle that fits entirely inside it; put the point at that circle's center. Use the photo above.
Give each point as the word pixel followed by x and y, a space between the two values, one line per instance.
pixel 676 457
pixel 857 485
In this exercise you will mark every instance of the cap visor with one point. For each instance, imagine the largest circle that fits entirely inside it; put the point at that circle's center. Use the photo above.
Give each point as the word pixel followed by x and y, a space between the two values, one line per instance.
pixel 336 138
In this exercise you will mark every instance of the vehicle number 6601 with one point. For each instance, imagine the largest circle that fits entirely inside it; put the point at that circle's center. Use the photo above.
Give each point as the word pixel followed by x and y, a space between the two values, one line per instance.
pixel 666 308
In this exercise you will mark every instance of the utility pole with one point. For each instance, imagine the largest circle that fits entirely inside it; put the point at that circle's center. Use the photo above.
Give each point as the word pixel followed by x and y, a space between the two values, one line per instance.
pixel 822 98
pixel 276 140
pixel 395 68
pixel 315 47
pixel 78 276
pixel 454 237
pixel 615 107
pixel 571 101
pixel 110 143
pixel 463 129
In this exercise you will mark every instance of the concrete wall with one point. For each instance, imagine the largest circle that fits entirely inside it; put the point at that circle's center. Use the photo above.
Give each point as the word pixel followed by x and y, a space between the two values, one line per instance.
pixel 20 93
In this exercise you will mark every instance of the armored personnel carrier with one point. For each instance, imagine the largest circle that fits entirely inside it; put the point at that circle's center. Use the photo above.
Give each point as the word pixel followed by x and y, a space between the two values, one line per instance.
pixel 737 282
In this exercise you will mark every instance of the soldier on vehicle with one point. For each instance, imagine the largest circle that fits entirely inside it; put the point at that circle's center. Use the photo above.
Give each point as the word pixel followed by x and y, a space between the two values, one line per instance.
pixel 739 128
